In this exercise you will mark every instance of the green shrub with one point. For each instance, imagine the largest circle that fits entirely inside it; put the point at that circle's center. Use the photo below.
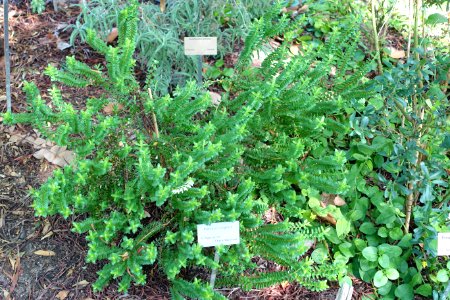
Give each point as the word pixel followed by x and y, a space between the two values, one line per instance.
pixel 147 174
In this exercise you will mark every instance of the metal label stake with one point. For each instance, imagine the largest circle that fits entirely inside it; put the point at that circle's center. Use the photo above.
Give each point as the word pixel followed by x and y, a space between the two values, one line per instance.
pixel 200 70
pixel 7 60
pixel 212 280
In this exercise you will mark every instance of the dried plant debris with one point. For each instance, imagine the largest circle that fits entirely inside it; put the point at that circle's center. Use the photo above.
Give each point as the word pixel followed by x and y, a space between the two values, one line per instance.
pixel 47 150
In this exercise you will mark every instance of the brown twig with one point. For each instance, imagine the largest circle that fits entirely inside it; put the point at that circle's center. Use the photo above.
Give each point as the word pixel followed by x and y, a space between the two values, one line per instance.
pixel 155 123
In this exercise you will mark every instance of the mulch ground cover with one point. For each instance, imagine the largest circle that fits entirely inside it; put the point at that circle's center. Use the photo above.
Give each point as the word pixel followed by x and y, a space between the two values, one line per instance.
pixel 41 258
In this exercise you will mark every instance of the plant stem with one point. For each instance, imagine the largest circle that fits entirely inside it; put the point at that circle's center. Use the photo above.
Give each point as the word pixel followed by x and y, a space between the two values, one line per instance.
pixel 410 25
pixel 419 111
pixel 155 122
pixel 375 39
pixel 403 111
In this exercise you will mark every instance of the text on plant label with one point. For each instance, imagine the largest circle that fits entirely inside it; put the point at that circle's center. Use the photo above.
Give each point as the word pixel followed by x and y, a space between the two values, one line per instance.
pixel 443 247
pixel 200 45
pixel 223 233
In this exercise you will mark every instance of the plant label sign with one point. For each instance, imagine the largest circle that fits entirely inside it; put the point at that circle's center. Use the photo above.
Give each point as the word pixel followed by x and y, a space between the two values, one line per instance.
pixel 223 233
pixel 200 45
pixel 443 247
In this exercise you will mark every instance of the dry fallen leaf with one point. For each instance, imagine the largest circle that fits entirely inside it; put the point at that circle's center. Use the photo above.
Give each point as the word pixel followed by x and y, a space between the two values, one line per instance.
pixel 257 58
pixel 338 201
pixel 112 35
pixel 44 253
pixel 162 5
pixel 81 284
pixel 56 155
pixel 47 227
pixel 62 295
pixel 331 199
pixel 109 108
pixel 18 212
pixel 215 98
pixel 61 45
pixel 2 218
pixel 396 53
pixel 294 49
pixel 47 235
pixel 48 39
pixel 12 261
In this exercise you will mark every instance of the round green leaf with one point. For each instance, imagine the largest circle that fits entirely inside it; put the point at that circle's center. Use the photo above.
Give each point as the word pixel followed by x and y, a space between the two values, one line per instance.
pixel 347 249
pixel 319 255
pixel 379 279
pixel 370 253
pixel 366 265
pixel 396 233
pixel 228 72
pixel 384 261
pixel 385 289
pixel 392 274
pixel 391 250
pixel 382 232
pixel 405 242
pixel 442 276
pixel 368 228
pixel 359 244
pixel 342 227
pixel 404 291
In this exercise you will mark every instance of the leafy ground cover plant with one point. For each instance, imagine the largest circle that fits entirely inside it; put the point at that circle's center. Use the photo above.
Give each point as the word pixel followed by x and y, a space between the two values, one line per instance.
pixel 160 33
pixel 399 162
pixel 147 174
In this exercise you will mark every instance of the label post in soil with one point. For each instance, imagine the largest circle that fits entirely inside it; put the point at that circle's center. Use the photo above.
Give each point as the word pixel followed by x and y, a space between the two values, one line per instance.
pixel 216 234
pixel 443 242
pixel 200 46
pixel 7 58
pixel 345 292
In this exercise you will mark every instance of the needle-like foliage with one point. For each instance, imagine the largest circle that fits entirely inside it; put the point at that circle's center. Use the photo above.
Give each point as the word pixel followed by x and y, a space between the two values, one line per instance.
pixel 146 174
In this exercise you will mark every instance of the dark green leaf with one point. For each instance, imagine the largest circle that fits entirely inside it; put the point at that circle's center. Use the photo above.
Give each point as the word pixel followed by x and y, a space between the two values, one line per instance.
pixel 368 228
pixel 404 291
pixel 424 290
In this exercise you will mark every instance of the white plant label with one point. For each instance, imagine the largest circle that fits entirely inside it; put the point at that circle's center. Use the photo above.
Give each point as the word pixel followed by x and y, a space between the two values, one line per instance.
pixel 200 45
pixel 223 233
pixel 443 247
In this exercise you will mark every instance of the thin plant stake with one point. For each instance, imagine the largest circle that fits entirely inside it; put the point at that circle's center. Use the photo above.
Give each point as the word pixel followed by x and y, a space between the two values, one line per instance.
pixel 7 60
pixel 214 271
pixel 200 70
